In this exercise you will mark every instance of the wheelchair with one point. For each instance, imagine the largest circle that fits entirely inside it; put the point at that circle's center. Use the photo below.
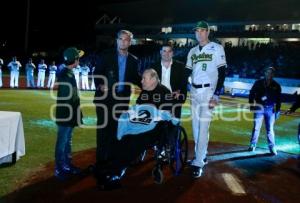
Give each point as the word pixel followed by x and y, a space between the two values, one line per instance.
pixel 170 146
pixel 171 152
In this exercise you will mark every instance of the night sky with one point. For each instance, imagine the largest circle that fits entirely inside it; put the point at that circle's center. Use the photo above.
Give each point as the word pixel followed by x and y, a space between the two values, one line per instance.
pixel 53 23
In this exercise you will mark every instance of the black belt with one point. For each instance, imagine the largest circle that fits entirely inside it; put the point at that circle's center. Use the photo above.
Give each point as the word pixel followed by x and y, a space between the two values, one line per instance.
pixel 200 86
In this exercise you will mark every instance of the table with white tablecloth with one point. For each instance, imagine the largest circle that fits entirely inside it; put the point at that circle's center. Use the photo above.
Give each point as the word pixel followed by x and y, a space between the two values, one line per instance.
pixel 12 139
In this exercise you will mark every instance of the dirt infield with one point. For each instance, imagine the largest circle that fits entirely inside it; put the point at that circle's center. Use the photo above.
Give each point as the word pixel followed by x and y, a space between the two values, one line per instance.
pixel 232 175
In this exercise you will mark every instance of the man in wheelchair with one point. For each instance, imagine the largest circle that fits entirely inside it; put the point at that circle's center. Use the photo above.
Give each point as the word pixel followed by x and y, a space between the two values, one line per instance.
pixel 147 124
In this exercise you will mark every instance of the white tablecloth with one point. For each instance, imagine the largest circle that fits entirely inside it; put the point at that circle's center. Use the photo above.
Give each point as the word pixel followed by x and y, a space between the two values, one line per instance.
pixel 11 135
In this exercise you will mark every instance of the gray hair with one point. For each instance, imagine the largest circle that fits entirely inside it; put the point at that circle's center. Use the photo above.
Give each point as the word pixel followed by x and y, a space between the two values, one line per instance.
pixel 127 32
pixel 153 74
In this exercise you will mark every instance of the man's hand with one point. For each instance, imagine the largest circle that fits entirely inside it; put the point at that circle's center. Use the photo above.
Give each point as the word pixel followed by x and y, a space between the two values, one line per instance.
pixel 214 100
pixel 176 94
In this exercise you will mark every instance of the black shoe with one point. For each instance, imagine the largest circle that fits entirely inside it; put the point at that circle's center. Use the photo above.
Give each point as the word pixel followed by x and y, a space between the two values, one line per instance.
pixel 60 175
pixel 157 175
pixel 273 151
pixel 196 171
pixel 72 170
pixel 110 183
pixel 252 148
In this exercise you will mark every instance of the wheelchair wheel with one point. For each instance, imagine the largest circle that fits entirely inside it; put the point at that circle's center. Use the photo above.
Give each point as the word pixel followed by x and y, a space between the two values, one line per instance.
pixel 180 152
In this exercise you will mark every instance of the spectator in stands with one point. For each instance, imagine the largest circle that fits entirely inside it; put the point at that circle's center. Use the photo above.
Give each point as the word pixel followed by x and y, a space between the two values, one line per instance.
pixel 264 99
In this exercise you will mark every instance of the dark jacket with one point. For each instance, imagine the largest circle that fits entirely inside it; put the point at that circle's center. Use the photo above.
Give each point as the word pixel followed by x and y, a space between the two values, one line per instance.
pixel 266 95
pixel 107 66
pixel 160 97
pixel 178 78
pixel 68 111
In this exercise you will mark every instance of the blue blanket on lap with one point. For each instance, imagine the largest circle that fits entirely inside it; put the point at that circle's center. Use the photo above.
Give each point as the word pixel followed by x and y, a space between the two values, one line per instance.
pixel 142 118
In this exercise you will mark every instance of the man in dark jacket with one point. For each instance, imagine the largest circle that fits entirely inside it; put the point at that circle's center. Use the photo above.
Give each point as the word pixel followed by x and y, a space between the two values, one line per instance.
pixel 68 114
pixel 174 76
pixel 265 102
pixel 116 70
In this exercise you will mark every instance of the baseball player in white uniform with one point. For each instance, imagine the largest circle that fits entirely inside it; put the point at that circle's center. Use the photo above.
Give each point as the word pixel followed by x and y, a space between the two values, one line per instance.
pixel 52 73
pixel 76 72
pixel 41 74
pixel 207 62
pixel 1 65
pixel 29 67
pixel 85 77
pixel 14 67
pixel 93 79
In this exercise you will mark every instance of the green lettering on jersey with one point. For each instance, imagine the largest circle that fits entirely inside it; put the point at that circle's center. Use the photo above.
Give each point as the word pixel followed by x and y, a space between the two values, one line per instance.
pixel 201 57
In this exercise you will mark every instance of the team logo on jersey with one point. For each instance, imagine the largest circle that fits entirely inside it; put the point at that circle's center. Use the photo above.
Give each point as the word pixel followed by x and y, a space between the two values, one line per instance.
pixel 201 57
pixel 143 117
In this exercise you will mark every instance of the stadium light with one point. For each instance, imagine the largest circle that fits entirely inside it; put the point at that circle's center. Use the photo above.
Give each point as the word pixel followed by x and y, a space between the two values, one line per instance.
pixel 166 30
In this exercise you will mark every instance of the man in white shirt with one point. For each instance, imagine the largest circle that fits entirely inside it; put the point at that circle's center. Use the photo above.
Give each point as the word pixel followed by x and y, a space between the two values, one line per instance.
pixel 174 76
pixel 14 67
pixel 42 67
pixel 30 73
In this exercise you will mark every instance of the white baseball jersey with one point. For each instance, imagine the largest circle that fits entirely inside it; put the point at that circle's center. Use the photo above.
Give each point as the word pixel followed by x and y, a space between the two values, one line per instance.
pixel 42 67
pixel 14 66
pixel 85 70
pixel 76 71
pixel 205 63
pixel 30 67
pixel 52 69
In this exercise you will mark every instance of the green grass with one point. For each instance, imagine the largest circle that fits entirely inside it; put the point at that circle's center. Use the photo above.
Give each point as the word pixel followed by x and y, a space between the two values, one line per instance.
pixel 40 130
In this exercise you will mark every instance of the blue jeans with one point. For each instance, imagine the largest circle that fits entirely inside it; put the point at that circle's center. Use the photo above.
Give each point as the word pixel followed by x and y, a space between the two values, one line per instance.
pixel 63 154
pixel 267 114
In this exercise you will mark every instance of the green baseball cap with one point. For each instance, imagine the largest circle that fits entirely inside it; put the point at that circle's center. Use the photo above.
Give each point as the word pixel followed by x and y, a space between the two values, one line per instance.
pixel 71 54
pixel 201 24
